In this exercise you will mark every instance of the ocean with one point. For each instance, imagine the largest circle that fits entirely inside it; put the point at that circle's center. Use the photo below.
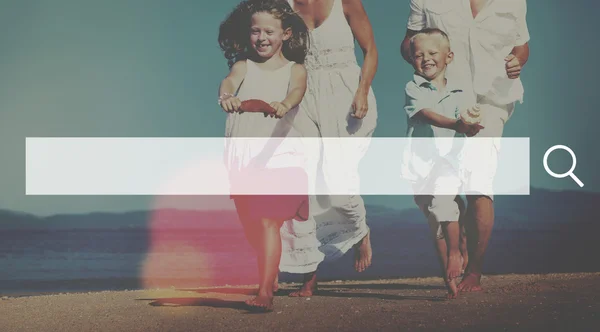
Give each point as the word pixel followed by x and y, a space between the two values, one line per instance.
pixel 50 261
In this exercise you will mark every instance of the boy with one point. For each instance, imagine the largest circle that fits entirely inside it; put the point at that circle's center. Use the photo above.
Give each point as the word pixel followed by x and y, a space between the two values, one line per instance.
pixel 433 106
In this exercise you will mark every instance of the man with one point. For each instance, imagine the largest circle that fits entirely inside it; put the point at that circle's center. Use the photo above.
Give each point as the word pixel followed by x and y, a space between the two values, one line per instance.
pixel 490 43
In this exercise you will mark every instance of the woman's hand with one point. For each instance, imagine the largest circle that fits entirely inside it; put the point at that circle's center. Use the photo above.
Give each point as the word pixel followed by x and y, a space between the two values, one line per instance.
pixel 360 104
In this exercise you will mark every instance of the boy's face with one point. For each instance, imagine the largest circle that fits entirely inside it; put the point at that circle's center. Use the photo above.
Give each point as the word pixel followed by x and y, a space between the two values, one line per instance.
pixel 267 35
pixel 431 55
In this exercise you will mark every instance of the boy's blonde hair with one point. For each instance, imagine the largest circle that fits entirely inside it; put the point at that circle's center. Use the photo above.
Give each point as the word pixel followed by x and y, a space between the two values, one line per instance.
pixel 428 32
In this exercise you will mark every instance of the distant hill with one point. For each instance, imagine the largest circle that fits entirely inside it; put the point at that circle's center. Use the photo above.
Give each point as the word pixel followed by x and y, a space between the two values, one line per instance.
pixel 542 209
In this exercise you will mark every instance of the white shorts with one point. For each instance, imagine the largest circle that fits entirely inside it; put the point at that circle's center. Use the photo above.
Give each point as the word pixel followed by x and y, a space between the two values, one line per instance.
pixel 444 184
pixel 482 155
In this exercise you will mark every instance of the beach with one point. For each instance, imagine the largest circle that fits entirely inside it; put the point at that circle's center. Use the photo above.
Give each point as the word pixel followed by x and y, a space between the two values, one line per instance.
pixel 509 302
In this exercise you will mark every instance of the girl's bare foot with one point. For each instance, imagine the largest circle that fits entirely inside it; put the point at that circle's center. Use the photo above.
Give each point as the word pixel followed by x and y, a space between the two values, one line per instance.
pixel 275 286
pixel 262 303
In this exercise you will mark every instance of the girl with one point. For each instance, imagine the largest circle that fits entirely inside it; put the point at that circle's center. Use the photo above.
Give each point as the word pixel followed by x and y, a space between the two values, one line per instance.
pixel 265 43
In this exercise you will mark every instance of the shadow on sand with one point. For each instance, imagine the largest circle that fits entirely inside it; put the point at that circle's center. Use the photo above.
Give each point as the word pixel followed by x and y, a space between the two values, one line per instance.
pixel 341 291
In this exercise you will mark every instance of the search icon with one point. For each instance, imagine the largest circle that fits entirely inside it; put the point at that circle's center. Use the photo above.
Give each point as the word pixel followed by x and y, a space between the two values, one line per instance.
pixel 569 172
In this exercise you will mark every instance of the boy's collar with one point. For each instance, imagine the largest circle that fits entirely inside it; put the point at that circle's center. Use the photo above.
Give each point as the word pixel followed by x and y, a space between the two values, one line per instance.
pixel 422 81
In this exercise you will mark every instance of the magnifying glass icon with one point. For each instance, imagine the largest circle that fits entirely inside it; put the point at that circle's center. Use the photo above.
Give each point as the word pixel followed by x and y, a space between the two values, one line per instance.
pixel 570 171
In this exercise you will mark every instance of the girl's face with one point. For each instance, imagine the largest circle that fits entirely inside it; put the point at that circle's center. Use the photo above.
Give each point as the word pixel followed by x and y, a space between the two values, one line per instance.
pixel 267 35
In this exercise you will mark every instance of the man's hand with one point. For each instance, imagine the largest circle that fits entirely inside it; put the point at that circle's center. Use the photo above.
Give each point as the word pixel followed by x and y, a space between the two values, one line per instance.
pixel 513 66
pixel 280 108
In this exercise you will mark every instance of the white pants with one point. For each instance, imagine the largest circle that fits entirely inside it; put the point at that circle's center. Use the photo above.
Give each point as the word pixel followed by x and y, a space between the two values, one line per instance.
pixel 337 222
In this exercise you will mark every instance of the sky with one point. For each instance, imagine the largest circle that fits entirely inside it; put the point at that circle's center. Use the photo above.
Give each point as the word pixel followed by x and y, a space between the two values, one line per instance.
pixel 149 68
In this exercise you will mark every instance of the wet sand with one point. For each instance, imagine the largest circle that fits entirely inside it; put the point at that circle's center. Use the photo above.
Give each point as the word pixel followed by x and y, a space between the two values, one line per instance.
pixel 553 302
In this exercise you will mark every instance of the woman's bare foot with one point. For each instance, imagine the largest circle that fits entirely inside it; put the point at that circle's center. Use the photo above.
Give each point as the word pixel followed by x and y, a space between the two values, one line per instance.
pixel 471 282
pixel 363 253
pixel 454 266
pixel 452 289
pixel 308 288
pixel 262 302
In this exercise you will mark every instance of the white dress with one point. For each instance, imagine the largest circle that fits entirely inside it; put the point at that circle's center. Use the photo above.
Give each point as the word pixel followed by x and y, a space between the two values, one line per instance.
pixel 240 153
pixel 337 222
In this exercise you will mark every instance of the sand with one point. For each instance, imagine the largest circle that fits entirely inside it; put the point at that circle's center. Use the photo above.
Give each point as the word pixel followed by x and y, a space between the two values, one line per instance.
pixel 554 302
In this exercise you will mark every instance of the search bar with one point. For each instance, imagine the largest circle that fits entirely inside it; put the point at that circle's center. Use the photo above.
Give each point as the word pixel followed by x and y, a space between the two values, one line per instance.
pixel 199 166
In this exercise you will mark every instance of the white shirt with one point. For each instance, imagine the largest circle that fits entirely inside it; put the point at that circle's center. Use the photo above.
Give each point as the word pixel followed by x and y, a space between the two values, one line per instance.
pixel 430 144
pixel 490 37
pixel 421 94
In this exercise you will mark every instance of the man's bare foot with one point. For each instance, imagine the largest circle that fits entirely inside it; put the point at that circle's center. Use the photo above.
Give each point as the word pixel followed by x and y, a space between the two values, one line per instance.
pixel 465 262
pixel 308 288
pixel 471 282
pixel 452 289
pixel 262 303
pixel 363 253
pixel 454 266
pixel 465 257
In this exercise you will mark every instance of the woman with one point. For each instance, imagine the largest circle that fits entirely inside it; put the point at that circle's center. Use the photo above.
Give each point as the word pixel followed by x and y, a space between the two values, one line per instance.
pixel 339 102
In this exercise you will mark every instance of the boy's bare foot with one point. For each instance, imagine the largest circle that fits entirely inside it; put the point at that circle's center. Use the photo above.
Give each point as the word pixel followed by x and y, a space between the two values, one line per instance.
pixel 363 253
pixel 262 303
pixel 454 266
pixel 471 282
pixel 452 289
pixel 308 288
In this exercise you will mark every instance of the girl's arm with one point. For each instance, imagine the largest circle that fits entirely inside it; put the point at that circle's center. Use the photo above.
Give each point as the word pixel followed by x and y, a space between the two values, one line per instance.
pixel 295 93
pixel 363 32
pixel 230 85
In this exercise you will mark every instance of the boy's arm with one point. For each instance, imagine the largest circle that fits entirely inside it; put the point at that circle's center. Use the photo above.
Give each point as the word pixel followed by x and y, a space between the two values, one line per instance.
pixel 297 87
pixel 429 116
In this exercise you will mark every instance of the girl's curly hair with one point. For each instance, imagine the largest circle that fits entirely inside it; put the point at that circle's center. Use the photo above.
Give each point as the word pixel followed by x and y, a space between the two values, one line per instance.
pixel 234 32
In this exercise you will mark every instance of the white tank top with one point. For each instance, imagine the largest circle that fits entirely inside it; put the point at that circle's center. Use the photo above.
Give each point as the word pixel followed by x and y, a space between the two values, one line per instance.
pixel 332 42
